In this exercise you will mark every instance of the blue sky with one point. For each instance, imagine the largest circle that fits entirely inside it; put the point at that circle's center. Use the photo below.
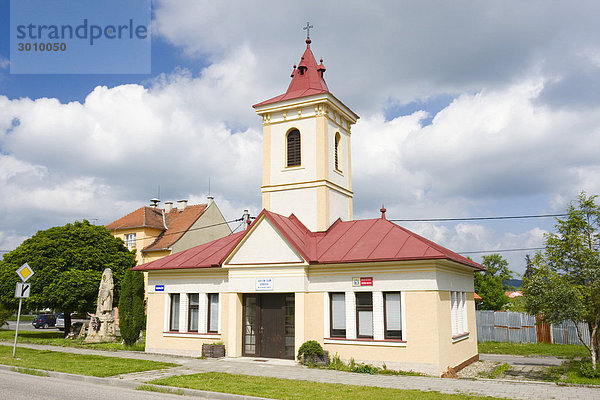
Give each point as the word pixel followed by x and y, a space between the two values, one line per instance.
pixel 467 109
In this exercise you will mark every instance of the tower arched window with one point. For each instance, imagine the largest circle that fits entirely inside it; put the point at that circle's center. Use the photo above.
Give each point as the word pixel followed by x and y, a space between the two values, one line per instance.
pixel 293 148
pixel 337 151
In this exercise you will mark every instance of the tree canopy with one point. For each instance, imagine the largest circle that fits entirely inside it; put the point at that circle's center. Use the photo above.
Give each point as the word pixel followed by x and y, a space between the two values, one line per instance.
pixel 565 280
pixel 488 284
pixel 68 262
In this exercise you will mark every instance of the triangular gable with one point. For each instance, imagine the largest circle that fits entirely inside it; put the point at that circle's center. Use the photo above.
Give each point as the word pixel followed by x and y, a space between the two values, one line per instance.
pixel 264 244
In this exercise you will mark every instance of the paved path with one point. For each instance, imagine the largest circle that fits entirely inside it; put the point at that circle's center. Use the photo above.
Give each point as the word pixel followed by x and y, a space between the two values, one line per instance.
pixel 291 370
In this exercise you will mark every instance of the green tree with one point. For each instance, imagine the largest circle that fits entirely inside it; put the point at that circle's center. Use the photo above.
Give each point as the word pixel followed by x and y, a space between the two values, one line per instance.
pixel 488 284
pixel 131 307
pixel 5 314
pixel 68 262
pixel 565 283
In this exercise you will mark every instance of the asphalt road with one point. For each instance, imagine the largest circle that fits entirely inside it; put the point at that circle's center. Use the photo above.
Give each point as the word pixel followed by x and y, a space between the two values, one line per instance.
pixel 26 326
pixel 17 386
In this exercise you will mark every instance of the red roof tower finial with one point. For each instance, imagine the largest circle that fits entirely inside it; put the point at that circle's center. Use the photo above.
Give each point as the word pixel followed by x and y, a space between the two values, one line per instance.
pixel 382 210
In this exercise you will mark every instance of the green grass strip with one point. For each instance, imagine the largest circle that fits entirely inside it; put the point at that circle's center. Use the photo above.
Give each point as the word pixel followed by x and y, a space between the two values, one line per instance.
pixel 55 338
pixel 80 364
pixel 534 349
pixel 276 388
pixel 499 370
pixel 29 371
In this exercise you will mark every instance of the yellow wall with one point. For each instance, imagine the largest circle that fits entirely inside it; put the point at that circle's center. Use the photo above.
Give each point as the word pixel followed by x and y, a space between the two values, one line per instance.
pixel 143 238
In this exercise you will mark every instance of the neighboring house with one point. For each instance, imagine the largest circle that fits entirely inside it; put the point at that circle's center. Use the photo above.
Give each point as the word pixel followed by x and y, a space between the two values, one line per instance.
pixel 155 232
pixel 511 294
pixel 367 290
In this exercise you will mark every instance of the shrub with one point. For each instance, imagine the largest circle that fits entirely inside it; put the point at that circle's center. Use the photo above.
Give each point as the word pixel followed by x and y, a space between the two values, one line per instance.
pixel 310 350
pixel 5 314
pixel 586 370
pixel 131 307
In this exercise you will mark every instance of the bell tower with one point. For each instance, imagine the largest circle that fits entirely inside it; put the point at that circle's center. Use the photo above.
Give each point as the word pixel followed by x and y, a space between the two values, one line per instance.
pixel 306 149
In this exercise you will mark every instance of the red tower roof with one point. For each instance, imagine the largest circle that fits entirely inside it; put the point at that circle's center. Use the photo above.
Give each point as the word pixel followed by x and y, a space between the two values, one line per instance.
pixel 307 79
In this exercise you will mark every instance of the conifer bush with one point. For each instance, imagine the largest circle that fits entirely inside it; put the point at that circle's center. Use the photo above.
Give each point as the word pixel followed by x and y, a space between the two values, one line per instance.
pixel 131 307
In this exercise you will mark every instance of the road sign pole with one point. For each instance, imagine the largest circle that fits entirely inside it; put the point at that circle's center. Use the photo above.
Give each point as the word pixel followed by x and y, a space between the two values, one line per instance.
pixel 17 328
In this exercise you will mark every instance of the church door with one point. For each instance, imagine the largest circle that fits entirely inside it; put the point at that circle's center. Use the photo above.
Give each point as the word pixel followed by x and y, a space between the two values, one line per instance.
pixel 269 325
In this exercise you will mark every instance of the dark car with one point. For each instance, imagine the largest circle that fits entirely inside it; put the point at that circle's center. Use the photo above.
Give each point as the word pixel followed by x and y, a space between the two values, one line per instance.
pixel 44 321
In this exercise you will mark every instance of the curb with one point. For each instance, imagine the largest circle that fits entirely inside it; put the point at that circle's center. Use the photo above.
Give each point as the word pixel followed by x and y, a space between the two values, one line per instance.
pixel 203 394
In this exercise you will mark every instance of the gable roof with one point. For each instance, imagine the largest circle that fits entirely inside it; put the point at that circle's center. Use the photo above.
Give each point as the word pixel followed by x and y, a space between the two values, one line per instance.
pixel 177 223
pixel 370 240
pixel 307 79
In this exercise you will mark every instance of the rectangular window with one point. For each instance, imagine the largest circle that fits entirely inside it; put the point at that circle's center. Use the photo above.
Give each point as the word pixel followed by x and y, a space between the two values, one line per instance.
pixel 193 312
pixel 458 313
pixel 364 314
pixel 338 314
pixel 213 312
pixel 130 240
pixel 174 320
pixel 392 315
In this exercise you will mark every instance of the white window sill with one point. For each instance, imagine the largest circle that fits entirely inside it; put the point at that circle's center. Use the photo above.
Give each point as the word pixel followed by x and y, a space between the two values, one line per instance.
pixel 193 335
pixel 294 168
pixel 367 342
pixel 460 337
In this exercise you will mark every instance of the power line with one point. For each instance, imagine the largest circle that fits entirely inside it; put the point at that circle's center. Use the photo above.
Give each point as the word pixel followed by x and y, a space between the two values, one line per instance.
pixel 501 251
pixel 479 218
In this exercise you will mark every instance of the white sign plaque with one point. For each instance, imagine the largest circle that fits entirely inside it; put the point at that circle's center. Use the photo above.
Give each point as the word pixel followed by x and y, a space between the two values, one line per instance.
pixel 264 283
pixel 22 290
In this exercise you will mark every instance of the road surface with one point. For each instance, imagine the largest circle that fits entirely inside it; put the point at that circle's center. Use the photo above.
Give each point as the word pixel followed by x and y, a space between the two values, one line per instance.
pixel 17 386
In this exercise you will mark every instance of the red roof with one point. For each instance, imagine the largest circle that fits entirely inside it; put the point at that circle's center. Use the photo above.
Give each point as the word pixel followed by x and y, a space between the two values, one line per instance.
pixel 370 240
pixel 307 79
pixel 178 222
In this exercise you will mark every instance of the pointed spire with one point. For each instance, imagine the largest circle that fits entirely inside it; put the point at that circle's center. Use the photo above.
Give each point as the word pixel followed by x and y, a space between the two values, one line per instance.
pixel 307 77
pixel 382 210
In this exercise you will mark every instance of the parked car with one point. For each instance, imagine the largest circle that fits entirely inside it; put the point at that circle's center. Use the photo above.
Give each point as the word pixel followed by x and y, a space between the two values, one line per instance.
pixel 44 321
pixel 60 321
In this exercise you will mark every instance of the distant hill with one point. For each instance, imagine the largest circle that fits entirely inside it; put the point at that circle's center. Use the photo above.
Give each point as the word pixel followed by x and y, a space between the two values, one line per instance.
pixel 515 283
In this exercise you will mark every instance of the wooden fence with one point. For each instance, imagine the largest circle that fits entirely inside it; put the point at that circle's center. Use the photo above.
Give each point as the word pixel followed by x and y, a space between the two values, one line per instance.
pixel 515 327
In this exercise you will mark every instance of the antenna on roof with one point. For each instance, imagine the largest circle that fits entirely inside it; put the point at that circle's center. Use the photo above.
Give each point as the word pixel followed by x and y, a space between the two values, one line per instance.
pixel 209 186
pixel 158 196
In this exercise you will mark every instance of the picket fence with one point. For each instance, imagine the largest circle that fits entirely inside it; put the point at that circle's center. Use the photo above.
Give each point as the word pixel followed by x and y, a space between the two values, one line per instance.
pixel 516 327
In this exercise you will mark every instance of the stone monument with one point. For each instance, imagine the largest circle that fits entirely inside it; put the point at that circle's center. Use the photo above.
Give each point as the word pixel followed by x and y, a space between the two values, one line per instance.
pixel 102 325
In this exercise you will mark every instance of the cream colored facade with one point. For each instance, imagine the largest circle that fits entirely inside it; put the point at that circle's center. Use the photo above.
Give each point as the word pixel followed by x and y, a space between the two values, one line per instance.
pixel 427 343
pixel 316 192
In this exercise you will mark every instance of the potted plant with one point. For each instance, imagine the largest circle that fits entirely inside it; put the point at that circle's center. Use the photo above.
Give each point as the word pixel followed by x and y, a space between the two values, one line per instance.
pixel 311 353
pixel 213 350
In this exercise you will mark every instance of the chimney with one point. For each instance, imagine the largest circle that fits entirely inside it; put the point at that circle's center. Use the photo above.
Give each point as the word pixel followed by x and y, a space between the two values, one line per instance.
pixel 181 204
pixel 154 202
pixel 209 200
pixel 168 206
pixel 246 218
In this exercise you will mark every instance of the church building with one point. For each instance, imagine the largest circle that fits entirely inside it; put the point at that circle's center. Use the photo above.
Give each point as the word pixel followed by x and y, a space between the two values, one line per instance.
pixel 306 270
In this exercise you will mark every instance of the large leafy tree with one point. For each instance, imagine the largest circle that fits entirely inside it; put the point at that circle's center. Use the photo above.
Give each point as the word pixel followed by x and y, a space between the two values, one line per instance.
pixel 565 281
pixel 131 307
pixel 68 262
pixel 488 284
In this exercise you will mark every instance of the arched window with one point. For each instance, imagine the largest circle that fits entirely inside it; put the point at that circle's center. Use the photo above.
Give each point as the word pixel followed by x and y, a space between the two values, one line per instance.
pixel 293 148
pixel 337 151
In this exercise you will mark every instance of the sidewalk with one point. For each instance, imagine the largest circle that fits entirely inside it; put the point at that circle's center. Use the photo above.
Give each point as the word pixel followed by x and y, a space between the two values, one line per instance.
pixel 291 370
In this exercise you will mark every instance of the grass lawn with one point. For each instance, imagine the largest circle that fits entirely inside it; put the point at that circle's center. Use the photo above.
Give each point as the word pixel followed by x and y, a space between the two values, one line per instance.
pixel 534 349
pixel 81 364
pixel 276 388
pixel 570 372
pixel 55 338
pixel 24 318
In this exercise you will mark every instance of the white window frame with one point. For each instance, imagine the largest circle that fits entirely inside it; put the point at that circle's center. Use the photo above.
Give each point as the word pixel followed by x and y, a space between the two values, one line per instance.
pixel 458 315
pixel 378 321
pixel 130 239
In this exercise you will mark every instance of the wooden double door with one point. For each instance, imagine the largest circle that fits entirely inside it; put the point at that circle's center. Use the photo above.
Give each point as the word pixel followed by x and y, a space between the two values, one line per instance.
pixel 268 325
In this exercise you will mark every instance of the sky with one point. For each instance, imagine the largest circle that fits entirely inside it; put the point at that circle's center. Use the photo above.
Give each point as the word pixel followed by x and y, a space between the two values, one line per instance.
pixel 467 109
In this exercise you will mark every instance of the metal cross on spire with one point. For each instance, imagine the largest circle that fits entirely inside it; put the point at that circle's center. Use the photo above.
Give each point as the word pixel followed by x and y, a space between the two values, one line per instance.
pixel 307 29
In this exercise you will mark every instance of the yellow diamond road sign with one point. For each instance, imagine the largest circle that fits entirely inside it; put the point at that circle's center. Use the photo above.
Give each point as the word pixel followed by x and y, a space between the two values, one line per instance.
pixel 25 272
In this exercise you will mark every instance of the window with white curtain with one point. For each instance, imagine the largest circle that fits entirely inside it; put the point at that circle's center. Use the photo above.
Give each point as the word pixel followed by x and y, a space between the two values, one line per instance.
pixel 458 313
pixel 392 315
pixel 364 314
pixel 174 317
pixel 193 312
pixel 338 314
pixel 213 312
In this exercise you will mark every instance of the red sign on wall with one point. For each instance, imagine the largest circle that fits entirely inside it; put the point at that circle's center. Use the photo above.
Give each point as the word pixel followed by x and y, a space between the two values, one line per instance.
pixel 366 281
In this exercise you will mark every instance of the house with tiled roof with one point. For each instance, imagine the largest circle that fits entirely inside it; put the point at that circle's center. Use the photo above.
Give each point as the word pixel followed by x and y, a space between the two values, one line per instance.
pixel 367 290
pixel 156 232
